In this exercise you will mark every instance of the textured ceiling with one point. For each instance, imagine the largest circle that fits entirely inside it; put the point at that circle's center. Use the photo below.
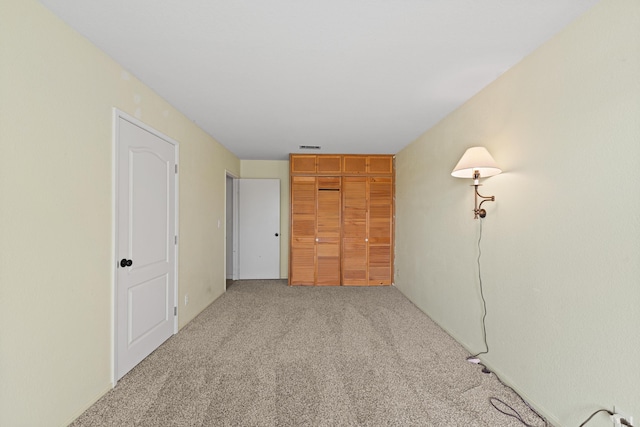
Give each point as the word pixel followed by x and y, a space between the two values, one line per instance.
pixel 352 76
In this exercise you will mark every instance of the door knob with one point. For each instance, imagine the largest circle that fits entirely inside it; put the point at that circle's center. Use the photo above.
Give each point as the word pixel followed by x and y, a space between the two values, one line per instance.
pixel 277 234
pixel 126 262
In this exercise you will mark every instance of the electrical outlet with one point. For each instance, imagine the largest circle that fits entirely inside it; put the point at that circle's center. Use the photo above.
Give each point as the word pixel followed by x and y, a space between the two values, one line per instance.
pixel 620 415
pixel 186 299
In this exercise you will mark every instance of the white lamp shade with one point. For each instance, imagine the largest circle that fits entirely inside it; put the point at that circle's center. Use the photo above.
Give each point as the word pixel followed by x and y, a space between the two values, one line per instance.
pixel 476 159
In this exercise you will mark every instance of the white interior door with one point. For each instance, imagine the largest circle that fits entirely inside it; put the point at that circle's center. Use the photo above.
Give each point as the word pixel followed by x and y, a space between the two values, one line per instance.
pixel 259 228
pixel 145 241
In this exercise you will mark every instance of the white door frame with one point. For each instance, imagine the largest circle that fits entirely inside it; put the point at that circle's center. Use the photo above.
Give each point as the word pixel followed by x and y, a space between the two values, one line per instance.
pixel 235 228
pixel 117 115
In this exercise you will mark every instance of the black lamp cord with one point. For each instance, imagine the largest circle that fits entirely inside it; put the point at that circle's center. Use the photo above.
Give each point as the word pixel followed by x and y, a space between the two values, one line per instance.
pixel 484 302
pixel 622 421
pixel 498 404
pixel 596 412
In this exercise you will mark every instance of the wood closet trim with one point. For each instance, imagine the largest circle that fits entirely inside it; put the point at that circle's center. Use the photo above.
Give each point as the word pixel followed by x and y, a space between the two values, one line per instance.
pixel 312 164
pixel 341 164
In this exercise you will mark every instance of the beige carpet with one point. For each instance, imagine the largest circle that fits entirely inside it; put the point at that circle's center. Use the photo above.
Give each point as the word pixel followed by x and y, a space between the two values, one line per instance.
pixel 265 354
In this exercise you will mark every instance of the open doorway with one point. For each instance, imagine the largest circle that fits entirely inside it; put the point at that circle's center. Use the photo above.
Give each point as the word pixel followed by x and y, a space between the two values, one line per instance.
pixel 231 229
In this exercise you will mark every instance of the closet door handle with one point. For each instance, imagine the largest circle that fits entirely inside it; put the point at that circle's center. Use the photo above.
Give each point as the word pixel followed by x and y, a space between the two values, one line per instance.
pixel 126 262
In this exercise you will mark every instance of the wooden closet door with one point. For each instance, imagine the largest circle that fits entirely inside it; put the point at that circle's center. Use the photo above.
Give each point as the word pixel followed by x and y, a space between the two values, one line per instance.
pixel 302 257
pixel 328 234
pixel 380 234
pixel 354 231
pixel 342 209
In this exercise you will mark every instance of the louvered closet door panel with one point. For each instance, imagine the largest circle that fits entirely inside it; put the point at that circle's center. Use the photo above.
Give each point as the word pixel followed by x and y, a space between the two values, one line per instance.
pixel 303 231
pixel 354 231
pixel 380 230
pixel 328 234
pixel 303 258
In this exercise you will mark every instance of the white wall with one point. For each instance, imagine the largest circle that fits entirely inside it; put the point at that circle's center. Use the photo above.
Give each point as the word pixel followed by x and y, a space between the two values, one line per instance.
pixel 561 244
pixel 57 92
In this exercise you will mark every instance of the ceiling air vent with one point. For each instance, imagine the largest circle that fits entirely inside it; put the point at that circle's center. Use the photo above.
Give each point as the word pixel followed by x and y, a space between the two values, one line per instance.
pixel 310 147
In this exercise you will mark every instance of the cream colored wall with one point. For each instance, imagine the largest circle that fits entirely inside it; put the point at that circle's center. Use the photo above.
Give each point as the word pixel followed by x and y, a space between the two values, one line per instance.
pixel 561 244
pixel 278 169
pixel 57 92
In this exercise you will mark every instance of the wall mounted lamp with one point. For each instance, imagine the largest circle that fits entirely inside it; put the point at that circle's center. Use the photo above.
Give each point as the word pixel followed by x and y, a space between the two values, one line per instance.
pixel 477 163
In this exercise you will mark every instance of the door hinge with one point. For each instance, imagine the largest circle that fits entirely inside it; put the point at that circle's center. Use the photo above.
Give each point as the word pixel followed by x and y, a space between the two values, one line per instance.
pixel 175 241
pixel 175 311
pixel 176 168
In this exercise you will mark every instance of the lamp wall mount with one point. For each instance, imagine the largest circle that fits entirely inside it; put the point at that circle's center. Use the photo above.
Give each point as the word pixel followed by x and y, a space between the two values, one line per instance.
pixel 478 211
pixel 476 162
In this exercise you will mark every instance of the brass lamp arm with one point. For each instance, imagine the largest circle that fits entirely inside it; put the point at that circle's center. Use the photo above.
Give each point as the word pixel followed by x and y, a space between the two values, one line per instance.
pixel 478 211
